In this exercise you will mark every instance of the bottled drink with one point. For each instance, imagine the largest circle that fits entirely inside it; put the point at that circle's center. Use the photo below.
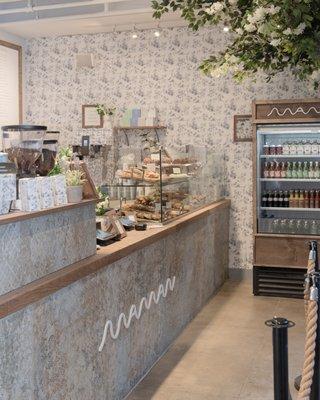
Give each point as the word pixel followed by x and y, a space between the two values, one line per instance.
pixel 279 149
pixel 272 170
pixel 312 199
pixel 291 199
pixel 307 147
pixel 316 170
pixel 266 170
pixel 270 200
pixel 286 199
pixel 264 201
pixel 266 149
pixel 283 170
pixel 316 199
pixel 306 170
pixel 311 170
pixel 272 149
pixel 277 170
pixel 300 199
pixel 293 147
pixel 306 199
pixel 275 199
pixel 299 170
pixel 300 147
pixel 289 170
pixel 294 173
pixel 296 198
pixel 280 199
pixel 286 148
pixel 314 148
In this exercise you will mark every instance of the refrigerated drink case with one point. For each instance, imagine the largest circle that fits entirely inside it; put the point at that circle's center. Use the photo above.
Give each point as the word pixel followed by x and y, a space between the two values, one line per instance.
pixel 288 158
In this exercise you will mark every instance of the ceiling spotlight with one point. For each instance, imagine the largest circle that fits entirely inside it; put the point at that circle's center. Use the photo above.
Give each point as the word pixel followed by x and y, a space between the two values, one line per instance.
pixel 156 33
pixel 134 36
pixel 225 29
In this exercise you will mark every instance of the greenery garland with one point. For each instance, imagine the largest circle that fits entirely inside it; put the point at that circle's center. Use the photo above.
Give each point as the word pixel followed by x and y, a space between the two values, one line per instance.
pixel 267 36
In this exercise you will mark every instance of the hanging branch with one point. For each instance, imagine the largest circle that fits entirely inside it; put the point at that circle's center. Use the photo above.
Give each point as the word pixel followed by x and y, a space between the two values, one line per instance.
pixel 264 36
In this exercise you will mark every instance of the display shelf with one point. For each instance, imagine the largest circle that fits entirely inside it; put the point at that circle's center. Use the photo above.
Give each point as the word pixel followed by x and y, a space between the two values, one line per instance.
pixel 289 180
pixel 151 184
pixel 290 156
pixel 290 209
pixel 127 128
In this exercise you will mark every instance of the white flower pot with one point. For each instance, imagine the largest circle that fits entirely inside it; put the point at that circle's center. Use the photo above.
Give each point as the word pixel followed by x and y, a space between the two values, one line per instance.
pixel 74 194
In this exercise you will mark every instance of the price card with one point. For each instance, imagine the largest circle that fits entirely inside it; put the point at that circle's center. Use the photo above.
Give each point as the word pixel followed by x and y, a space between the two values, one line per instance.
pixel 176 170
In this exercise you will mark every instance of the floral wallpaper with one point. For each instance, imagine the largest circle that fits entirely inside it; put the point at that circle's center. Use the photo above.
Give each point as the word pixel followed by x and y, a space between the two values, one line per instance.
pixel 162 73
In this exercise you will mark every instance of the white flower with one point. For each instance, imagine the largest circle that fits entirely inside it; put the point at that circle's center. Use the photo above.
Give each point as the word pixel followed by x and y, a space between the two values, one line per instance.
pixel 300 28
pixel 214 8
pixel 285 58
pixel 273 10
pixel 250 28
pixel 275 42
pixel 239 31
pixel 260 13
pixel 287 31
pixel 263 29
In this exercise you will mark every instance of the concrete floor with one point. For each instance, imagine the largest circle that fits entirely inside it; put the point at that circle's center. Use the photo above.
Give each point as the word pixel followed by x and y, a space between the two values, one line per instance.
pixel 225 353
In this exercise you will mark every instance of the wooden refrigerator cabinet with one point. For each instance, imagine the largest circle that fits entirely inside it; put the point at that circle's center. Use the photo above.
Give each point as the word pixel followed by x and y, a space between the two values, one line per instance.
pixel 286 190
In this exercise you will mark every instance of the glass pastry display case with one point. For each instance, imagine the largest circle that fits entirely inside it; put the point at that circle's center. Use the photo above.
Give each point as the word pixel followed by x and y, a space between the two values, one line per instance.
pixel 158 184
pixel 288 179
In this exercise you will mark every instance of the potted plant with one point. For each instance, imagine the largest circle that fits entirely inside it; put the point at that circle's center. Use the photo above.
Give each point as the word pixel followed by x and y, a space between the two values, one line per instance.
pixel 75 180
pixel 106 111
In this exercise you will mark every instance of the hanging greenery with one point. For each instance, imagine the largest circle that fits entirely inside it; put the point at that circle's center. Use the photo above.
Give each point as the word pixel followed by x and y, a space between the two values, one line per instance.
pixel 265 36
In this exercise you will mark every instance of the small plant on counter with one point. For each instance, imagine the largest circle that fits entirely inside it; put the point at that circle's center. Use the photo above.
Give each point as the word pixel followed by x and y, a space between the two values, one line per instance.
pixel 75 177
pixel 103 205
pixel 103 110
pixel 75 180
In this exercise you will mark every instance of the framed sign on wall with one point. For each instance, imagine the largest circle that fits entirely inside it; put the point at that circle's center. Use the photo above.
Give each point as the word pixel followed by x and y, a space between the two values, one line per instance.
pixel 10 83
pixel 242 128
pixel 90 117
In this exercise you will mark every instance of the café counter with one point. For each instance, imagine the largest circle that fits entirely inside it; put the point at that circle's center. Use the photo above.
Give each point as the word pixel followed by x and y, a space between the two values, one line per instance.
pixel 61 302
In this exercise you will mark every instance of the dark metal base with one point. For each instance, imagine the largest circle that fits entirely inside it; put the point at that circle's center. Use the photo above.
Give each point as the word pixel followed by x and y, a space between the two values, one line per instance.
pixel 278 282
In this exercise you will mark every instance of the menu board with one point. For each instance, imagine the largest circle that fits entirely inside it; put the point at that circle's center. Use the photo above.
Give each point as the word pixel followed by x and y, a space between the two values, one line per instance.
pixel 10 81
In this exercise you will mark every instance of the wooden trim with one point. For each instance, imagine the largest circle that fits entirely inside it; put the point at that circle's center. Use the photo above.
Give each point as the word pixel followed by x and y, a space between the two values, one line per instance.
pixel 22 297
pixel 84 126
pixel 236 118
pixel 289 120
pixel 22 216
pixel 19 50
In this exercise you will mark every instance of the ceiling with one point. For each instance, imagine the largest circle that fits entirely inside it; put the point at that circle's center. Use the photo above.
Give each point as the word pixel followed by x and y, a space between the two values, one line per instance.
pixel 37 18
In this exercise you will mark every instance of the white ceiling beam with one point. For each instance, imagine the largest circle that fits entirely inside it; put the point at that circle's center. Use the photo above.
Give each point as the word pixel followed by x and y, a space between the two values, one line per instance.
pixel 58 6
pixel 85 16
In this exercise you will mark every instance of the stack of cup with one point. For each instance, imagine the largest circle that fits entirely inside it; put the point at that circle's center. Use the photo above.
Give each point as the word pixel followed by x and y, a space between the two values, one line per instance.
pixel 8 192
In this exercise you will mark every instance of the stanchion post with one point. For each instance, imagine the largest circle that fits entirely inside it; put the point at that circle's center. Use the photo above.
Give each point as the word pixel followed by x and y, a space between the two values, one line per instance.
pixel 315 388
pixel 280 357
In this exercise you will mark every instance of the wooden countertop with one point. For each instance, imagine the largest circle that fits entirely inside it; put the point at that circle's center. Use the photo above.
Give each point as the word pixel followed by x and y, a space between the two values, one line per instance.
pixel 21 215
pixel 34 291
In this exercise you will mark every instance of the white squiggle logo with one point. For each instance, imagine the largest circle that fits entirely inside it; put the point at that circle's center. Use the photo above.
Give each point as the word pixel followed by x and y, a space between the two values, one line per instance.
pixel 134 312
pixel 298 110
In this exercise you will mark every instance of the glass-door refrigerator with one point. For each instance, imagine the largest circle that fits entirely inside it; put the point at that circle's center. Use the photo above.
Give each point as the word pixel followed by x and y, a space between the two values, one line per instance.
pixel 286 197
